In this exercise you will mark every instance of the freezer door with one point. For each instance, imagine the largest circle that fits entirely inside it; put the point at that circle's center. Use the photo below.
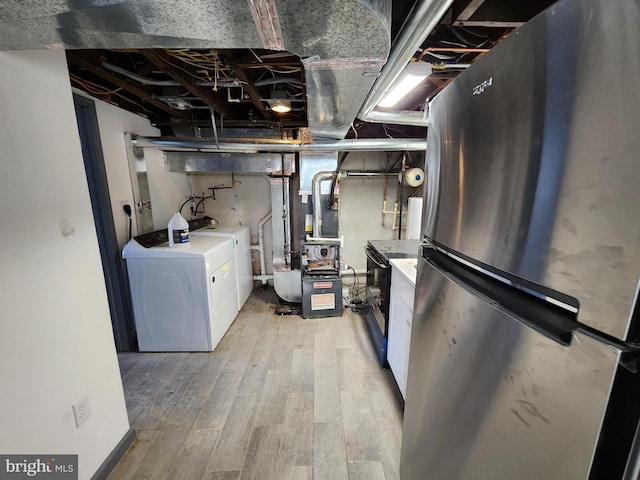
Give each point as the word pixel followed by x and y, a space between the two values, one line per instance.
pixel 489 397
pixel 533 169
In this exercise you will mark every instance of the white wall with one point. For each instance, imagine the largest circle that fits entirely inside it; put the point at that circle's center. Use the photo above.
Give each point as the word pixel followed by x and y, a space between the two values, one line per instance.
pixel 361 215
pixel 56 343
pixel 245 204
pixel 168 190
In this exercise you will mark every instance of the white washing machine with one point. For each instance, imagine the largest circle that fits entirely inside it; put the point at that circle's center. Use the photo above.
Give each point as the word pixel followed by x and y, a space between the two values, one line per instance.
pixel 241 236
pixel 184 297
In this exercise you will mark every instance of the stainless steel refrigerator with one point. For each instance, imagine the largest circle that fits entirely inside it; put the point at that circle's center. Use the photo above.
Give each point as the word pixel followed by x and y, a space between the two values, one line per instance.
pixel 524 350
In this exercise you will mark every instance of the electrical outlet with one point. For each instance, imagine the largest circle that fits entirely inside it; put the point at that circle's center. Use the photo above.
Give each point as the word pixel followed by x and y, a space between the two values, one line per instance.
pixel 82 410
pixel 122 204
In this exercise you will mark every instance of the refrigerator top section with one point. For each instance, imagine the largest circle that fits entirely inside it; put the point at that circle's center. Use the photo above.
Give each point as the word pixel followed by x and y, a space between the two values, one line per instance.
pixel 533 168
pixel 396 248
pixel 198 247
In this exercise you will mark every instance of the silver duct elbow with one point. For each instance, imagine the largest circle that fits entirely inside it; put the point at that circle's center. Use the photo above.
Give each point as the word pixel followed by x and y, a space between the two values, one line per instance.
pixel 318 178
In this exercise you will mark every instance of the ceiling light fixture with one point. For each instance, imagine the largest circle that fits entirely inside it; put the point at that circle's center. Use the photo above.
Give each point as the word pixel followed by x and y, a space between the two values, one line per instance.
pixel 281 106
pixel 279 102
pixel 411 76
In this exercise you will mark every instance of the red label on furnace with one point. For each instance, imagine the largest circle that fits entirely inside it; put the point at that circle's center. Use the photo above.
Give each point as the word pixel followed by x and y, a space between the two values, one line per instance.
pixel 322 284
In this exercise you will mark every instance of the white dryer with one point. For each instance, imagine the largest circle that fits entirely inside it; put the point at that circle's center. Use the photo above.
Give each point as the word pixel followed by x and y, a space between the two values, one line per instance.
pixel 184 297
pixel 241 236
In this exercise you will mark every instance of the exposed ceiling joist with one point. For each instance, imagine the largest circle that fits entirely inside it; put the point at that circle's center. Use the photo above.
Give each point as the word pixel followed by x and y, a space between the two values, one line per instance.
pixel 161 60
pixel 178 86
pixel 470 9
pixel 250 89
pixel 93 67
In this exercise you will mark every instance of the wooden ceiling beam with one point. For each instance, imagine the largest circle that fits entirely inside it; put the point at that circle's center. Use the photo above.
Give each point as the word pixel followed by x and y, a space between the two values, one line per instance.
pixel 164 61
pixel 439 88
pixel 248 86
pixel 93 66
pixel 471 8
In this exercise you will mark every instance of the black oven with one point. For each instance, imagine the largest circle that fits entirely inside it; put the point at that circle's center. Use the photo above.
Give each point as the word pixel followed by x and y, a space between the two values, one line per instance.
pixel 378 287
pixel 379 252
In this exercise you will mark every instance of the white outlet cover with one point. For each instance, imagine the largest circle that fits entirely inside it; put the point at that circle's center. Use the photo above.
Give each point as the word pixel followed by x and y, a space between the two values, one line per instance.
pixel 82 410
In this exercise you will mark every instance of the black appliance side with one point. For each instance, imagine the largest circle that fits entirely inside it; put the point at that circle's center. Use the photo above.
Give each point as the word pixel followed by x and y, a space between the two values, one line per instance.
pixel 378 290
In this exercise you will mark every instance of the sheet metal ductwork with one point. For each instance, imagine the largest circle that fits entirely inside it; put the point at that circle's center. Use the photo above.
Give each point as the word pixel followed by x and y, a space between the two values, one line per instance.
pixel 343 43
pixel 347 145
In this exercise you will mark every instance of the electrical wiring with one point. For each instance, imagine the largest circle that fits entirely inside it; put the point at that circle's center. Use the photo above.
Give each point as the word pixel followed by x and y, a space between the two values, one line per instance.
pixel 127 210
pixel 205 63
pixel 356 304
pixel 191 197
pixel 185 70
pixel 439 56
pixel 355 132
pixel 256 55
pixel 198 59
pixel 128 99
pixel 475 34
pixel 284 72
pixel 455 44
pixel 93 87
pixel 466 41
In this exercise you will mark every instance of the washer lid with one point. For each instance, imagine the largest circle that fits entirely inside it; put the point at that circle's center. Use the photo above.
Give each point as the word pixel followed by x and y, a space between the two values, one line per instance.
pixel 223 230
pixel 199 246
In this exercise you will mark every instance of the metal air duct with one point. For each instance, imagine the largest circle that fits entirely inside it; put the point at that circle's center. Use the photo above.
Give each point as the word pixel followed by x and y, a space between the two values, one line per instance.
pixel 424 16
pixel 318 178
pixel 344 43
pixel 374 144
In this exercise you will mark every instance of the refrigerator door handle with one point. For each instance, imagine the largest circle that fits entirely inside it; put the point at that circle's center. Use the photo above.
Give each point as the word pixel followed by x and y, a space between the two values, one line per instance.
pixel 544 317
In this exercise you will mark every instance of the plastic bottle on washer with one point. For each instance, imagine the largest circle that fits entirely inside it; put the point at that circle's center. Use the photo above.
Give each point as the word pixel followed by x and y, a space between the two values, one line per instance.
pixel 178 230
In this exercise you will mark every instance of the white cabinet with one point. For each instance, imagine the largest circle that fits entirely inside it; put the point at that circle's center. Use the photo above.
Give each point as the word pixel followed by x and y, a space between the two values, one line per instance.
pixel 403 280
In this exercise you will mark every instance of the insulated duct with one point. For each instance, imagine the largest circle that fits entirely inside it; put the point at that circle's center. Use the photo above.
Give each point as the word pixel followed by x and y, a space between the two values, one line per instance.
pixel 344 44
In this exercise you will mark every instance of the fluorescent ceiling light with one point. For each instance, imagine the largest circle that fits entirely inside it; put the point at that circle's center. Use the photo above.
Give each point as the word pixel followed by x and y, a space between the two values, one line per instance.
pixel 411 76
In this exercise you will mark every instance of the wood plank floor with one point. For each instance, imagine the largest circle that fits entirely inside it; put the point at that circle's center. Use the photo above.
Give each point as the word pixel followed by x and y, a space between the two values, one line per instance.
pixel 281 397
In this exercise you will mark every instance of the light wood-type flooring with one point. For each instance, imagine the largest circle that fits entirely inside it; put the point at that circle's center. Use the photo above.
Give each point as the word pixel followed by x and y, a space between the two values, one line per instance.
pixel 281 397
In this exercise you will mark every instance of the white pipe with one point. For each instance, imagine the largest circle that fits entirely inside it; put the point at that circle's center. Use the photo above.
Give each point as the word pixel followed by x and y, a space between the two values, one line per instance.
pixel 348 272
pixel 337 240
pixel 263 277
